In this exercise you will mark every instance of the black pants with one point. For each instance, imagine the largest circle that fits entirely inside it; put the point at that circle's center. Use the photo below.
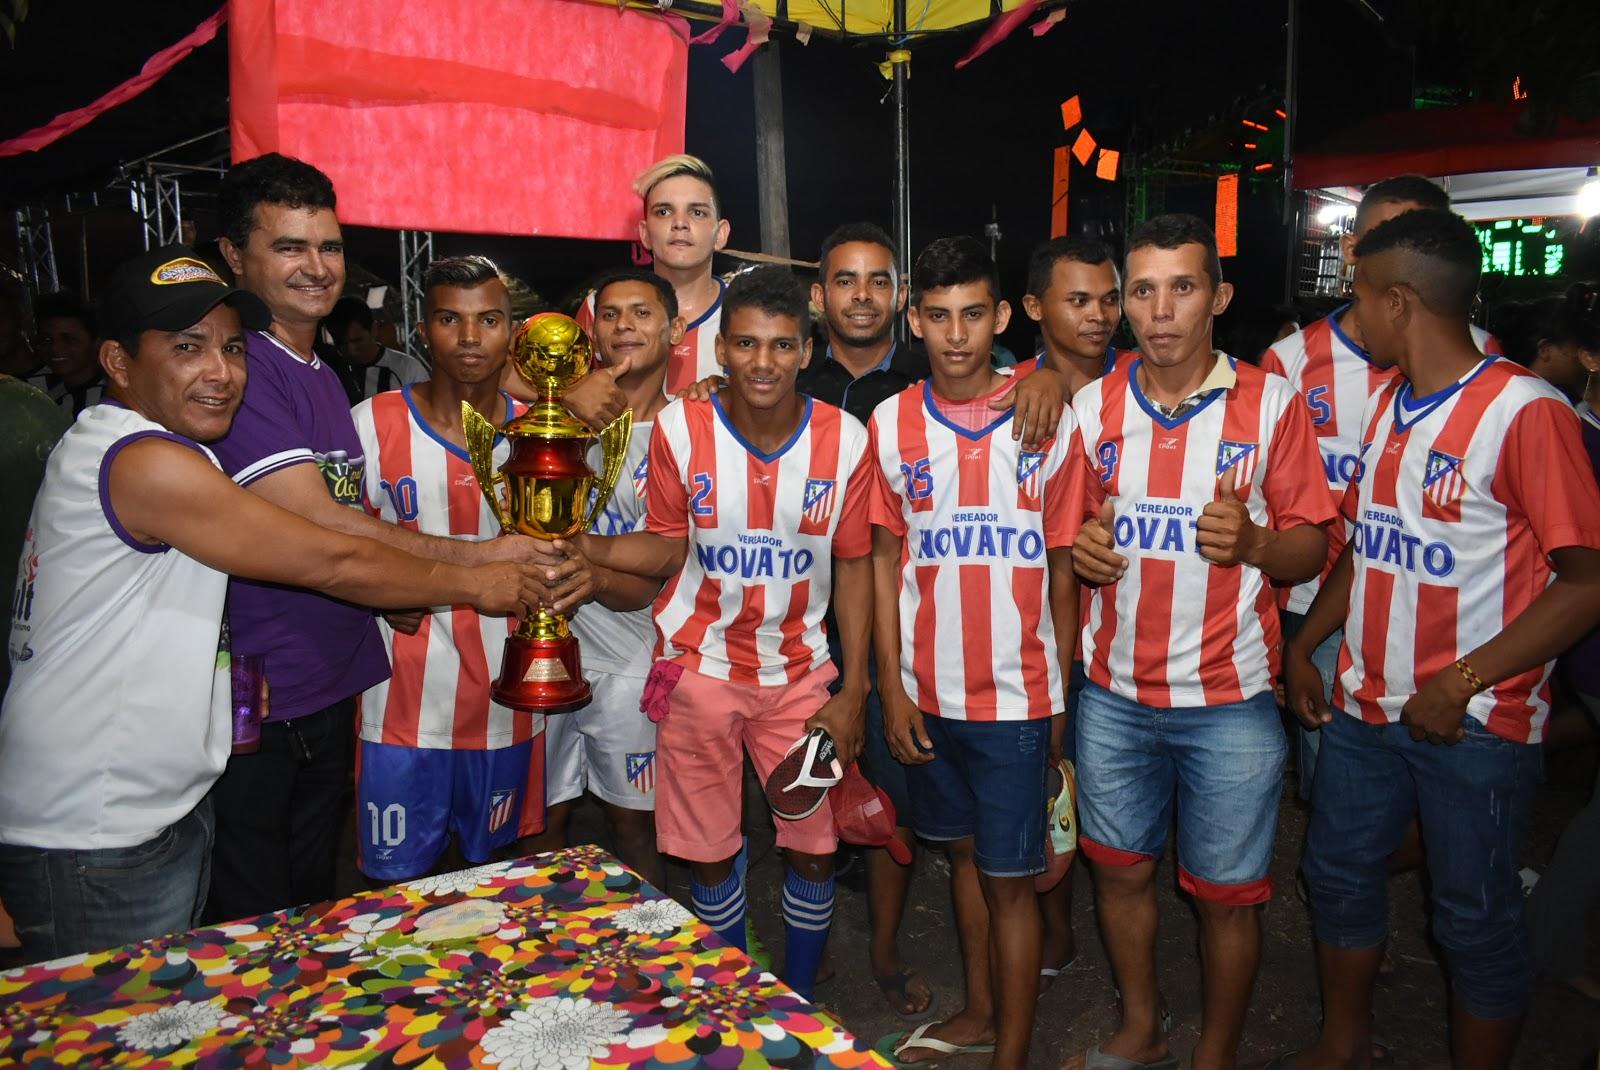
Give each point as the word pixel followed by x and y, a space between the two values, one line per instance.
pixel 279 814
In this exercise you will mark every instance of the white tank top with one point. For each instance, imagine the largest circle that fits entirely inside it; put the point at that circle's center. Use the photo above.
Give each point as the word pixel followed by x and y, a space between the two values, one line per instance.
pixel 117 720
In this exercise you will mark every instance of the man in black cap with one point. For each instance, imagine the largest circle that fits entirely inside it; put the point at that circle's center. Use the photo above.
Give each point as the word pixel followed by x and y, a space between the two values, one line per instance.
pixel 117 720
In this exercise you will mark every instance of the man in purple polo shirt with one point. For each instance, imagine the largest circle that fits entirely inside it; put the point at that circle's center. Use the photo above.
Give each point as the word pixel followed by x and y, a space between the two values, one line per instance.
pixel 294 444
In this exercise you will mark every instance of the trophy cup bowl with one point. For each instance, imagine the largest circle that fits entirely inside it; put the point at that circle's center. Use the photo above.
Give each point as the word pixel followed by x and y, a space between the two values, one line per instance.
pixel 551 493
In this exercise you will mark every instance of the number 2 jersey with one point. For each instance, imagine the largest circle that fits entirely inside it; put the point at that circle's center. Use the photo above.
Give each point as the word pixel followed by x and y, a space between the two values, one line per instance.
pixel 762 529
pixel 438 694
pixel 1459 500
pixel 1176 630
pixel 979 515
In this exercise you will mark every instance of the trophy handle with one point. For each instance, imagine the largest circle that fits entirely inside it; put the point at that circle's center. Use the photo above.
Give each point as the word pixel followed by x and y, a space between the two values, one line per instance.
pixel 613 455
pixel 480 450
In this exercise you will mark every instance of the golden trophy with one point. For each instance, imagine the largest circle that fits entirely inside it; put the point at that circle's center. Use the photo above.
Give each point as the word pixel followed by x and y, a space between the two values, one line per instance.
pixel 551 493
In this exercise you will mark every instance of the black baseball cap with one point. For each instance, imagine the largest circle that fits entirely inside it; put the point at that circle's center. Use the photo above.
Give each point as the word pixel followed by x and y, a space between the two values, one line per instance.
pixel 169 289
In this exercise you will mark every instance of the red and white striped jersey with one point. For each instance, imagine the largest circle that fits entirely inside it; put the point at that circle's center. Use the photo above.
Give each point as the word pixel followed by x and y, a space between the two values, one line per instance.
pixel 694 358
pixel 1461 497
pixel 763 529
pixel 1337 378
pixel 1177 630
pixel 438 694
pixel 978 513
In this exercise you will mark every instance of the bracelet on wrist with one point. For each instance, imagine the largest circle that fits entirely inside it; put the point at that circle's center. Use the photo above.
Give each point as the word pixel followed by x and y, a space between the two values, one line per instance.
pixel 1471 676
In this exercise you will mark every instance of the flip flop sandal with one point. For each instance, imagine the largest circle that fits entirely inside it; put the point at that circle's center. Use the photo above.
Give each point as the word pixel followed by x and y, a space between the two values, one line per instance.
pixel 1049 974
pixel 894 1046
pixel 900 982
pixel 1096 1059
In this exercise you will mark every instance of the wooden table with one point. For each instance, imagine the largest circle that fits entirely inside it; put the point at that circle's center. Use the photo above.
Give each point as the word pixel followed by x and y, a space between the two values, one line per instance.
pixel 562 961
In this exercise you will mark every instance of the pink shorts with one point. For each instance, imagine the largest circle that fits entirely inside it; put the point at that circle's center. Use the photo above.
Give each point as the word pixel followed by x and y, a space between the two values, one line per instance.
pixel 699 799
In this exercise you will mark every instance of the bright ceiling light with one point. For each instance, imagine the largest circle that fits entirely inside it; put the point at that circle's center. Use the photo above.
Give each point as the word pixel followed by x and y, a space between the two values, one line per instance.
pixel 1335 212
pixel 1589 196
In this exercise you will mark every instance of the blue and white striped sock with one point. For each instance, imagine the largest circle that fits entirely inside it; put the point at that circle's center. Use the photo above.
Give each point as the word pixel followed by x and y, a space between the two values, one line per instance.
pixel 721 906
pixel 807 915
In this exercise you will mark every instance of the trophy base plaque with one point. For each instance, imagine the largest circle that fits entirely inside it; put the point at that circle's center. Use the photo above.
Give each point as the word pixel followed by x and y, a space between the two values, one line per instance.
pixel 542 676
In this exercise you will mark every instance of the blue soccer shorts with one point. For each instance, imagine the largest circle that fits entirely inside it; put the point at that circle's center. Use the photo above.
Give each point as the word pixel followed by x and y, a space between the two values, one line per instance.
pixel 411 800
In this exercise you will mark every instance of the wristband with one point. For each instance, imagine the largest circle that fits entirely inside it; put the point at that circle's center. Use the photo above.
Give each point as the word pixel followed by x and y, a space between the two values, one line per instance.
pixel 1473 680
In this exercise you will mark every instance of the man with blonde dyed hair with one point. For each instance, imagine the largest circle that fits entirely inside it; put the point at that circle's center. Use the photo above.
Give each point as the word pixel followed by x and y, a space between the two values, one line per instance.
pixel 682 228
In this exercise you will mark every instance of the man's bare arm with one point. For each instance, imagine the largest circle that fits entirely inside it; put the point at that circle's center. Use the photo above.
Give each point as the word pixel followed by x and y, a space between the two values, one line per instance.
pixel 643 553
pixel 301 490
pixel 163 492
pixel 1064 608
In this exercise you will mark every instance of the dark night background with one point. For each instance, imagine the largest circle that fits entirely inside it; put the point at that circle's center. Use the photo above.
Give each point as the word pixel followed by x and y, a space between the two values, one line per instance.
pixel 1149 74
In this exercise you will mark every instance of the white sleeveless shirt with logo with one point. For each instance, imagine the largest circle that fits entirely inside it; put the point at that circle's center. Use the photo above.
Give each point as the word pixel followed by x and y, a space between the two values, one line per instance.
pixel 117 721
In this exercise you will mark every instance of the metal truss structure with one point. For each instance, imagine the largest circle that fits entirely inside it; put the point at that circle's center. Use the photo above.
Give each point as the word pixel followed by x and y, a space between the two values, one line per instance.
pixel 416 253
pixel 155 184
pixel 35 251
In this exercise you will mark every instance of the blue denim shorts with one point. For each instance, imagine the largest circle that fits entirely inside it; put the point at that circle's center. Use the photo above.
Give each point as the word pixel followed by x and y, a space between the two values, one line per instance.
pixel 987 781
pixel 1473 799
pixel 1224 765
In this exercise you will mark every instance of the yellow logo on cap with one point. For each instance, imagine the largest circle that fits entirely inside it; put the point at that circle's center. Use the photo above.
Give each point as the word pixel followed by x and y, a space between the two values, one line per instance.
pixel 184 269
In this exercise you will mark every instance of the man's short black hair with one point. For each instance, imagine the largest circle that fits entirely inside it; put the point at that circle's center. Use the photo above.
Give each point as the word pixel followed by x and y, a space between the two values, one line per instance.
pixel 64 305
pixel 465 272
pixel 953 261
pixel 1440 257
pixel 663 288
pixel 345 311
pixel 1042 263
pixel 1401 189
pixel 870 233
pixel 269 179
pixel 774 290
pixel 1175 230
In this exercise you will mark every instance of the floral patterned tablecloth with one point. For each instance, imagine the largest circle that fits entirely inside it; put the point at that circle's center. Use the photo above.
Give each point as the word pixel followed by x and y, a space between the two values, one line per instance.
pixel 561 961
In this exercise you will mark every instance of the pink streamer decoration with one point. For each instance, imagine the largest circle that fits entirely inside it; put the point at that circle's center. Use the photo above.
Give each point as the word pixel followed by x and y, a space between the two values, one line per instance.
pixel 152 71
pixel 760 25
pixel 730 16
pixel 1046 24
pixel 998 31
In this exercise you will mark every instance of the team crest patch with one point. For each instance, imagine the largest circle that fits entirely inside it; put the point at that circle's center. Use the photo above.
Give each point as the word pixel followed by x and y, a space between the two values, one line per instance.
pixel 1239 456
pixel 184 269
pixel 642 771
pixel 1030 464
pixel 1442 482
pixel 818 500
pixel 641 476
pixel 502 804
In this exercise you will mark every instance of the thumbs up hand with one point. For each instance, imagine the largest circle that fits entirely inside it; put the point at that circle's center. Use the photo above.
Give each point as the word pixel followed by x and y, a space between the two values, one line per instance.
pixel 1094 555
pixel 1225 534
pixel 596 399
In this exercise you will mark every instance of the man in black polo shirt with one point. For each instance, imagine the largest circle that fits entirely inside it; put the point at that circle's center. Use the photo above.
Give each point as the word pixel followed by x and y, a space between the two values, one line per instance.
pixel 860 296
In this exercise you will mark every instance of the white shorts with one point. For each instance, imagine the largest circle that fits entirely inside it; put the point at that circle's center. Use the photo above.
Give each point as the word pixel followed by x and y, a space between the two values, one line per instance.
pixel 608 747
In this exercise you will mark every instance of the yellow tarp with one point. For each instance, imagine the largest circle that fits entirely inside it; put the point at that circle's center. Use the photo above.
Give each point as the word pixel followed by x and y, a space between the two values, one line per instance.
pixel 877 16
